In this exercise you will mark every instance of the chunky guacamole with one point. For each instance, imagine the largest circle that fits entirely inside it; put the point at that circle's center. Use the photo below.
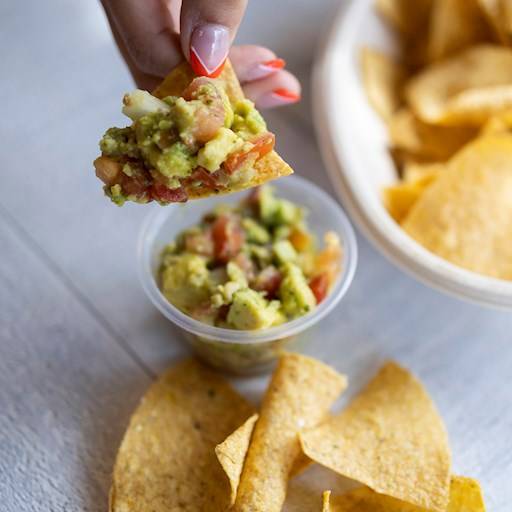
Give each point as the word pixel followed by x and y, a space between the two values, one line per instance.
pixel 178 143
pixel 249 266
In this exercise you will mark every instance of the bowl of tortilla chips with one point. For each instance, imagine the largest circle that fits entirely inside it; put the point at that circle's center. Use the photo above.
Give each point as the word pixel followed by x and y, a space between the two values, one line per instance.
pixel 414 119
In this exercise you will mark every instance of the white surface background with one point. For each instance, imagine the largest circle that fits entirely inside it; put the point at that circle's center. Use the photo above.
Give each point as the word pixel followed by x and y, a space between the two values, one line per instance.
pixel 79 342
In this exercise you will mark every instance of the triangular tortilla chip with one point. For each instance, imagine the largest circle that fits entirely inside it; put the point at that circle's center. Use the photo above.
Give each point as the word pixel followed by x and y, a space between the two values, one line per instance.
pixel 455 25
pixel 232 451
pixel 464 215
pixel 383 78
pixel 465 496
pixel 467 88
pixel 390 438
pixel 270 167
pixel 299 396
pixel 166 460
pixel 424 141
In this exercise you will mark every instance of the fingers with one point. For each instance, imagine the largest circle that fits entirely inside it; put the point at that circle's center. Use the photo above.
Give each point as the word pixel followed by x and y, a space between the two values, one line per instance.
pixel 207 29
pixel 254 62
pixel 278 89
pixel 144 33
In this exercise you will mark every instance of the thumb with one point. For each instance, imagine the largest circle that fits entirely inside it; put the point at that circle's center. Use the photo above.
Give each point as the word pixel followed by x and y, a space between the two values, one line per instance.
pixel 207 30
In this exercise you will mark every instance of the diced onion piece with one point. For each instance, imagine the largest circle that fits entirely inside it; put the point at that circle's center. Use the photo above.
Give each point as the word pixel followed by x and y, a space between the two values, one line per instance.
pixel 140 103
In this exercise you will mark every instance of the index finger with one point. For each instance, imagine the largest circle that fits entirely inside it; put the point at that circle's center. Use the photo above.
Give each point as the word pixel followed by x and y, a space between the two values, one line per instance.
pixel 207 31
pixel 145 29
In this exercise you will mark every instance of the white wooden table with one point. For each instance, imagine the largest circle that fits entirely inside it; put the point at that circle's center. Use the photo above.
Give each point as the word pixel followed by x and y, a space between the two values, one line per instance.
pixel 79 342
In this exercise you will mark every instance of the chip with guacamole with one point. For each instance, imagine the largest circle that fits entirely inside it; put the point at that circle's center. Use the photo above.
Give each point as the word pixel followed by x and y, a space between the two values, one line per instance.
pixel 249 266
pixel 191 138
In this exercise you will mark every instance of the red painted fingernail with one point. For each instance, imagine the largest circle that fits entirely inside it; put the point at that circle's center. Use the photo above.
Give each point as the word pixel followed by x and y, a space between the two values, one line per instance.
pixel 274 63
pixel 209 46
pixel 263 69
pixel 277 97
pixel 287 94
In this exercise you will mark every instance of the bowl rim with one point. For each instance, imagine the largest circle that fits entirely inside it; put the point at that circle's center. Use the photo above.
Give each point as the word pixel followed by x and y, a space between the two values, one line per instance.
pixel 341 163
pixel 159 215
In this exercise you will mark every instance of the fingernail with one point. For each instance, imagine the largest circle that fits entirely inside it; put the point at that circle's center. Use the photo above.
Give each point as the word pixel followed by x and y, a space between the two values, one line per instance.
pixel 209 46
pixel 277 98
pixel 263 69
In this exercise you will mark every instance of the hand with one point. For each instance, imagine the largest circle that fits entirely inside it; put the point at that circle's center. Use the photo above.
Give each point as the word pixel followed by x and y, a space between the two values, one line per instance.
pixel 153 36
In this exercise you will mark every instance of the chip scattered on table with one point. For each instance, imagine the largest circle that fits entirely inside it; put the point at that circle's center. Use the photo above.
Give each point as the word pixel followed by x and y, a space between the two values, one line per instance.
pixel 232 451
pixel 390 438
pixel 166 460
pixel 298 397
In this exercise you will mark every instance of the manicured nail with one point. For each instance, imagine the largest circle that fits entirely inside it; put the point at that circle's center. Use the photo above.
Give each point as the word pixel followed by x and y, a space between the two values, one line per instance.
pixel 263 69
pixel 277 98
pixel 209 47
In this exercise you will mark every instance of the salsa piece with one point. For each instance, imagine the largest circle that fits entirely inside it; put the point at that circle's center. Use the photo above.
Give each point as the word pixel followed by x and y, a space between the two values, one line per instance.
pixel 200 139
pixel 249 266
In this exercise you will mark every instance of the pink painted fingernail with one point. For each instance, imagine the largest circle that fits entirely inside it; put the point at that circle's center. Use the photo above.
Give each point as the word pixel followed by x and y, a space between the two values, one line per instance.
pixel 277 98
pixel 209 47
pixel 263 69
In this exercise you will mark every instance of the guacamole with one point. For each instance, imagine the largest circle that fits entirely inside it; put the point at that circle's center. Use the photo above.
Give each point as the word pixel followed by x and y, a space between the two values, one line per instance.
pixel 250 266
pixel 177 143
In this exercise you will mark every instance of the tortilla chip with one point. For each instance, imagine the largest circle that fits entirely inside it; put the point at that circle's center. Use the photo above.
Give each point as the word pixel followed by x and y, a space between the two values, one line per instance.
pixel 326 498
pixel 299 396
pixel 464 216
pixel 500 123
pixel 426 141
pixel 499 15
pixel 232 451
pixel 465 496
pixel 465 89
pixel 399 199
pixel 382 79
pixel 166 460
pixel 414 171
pixel 406 16
pixel 389 438
pixel 270 167
pixel 455 25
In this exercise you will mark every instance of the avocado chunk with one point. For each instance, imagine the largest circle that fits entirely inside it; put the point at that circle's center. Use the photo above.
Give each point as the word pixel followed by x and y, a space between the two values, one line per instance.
pixel 284 251
pixel 185 280
pixel 247 119
pixel 250 311
pixel 255 232
pixel 175 162
pixel 294 291
pixel 216 150
pixel 275 212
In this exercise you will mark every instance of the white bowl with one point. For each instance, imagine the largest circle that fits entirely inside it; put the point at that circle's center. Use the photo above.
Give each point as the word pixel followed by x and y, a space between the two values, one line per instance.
pixel 353 141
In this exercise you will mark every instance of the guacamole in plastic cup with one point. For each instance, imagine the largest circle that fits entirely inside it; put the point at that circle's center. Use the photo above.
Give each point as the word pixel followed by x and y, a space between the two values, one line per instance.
pixel 238 350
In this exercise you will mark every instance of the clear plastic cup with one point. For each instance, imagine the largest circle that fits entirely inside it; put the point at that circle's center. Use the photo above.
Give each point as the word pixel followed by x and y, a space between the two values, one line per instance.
pixel 244 352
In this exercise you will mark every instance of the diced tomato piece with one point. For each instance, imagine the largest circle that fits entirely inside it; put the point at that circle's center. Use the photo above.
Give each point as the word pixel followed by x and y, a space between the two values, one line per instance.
pixel 269 281
pixel 228 238
pixel 137 185
pixel 319 286
pixel 208 179
pixel 168 195
pixel 263 144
